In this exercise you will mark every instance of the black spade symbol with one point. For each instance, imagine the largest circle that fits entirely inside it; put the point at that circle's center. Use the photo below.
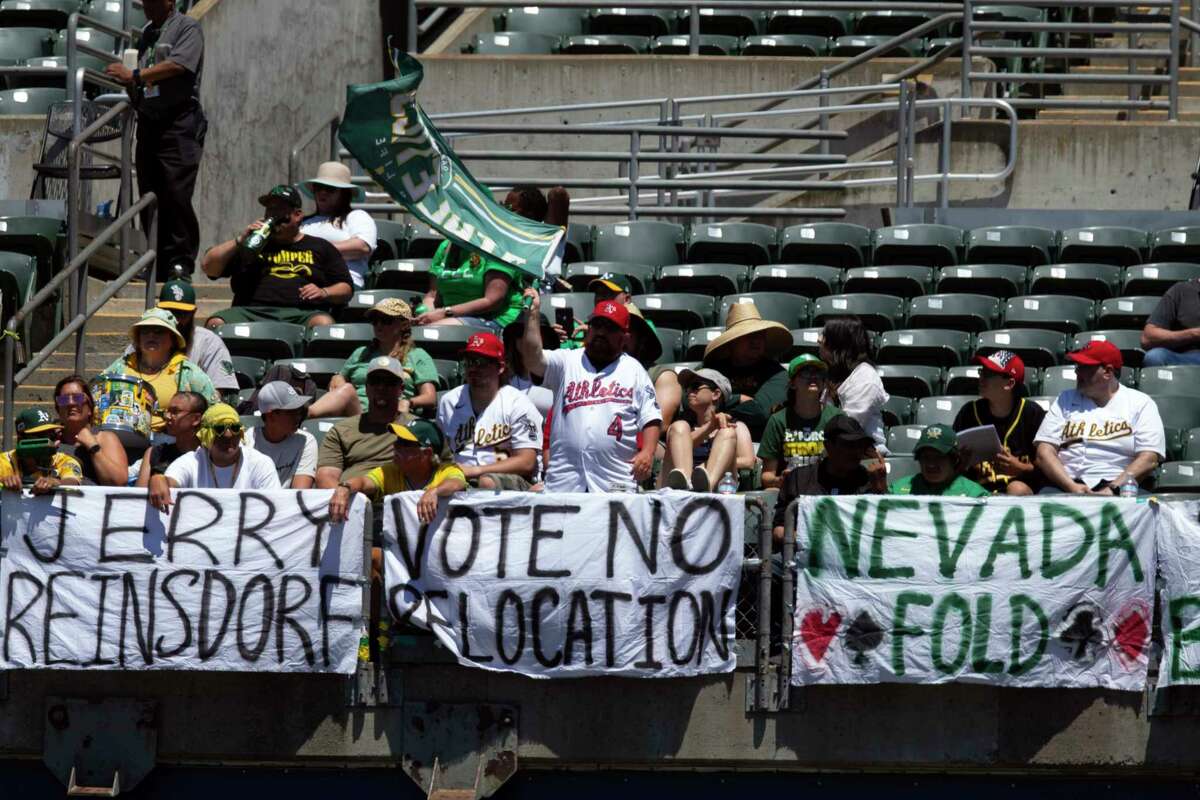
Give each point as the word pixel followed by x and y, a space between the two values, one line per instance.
pixel 863 636
pixel 1083 632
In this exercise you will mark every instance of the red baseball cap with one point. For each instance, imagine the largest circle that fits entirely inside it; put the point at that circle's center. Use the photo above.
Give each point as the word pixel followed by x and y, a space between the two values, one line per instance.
pixel 1004 362
pixel 616 313
pixel 486 345
pixel 1098 352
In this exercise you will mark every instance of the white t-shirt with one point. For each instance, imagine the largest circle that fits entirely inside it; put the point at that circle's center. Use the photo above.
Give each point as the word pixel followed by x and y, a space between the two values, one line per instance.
pixel 357 223
pixel 295 455
pixel 542 398
pixel 194 470
pixel 596 419
pixel 1095 443
pixel 510 422
pixel 861 397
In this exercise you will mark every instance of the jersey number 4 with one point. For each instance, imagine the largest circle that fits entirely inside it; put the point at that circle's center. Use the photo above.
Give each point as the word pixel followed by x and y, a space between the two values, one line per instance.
pixel 614 428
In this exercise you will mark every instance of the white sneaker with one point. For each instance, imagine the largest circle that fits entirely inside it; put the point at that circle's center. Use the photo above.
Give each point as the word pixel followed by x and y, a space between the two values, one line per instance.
pixel 677 480
pixel 700 480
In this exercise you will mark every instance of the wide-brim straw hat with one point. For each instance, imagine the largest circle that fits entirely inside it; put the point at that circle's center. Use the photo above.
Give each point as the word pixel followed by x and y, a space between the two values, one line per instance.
pixel 335 175
pixel 651 349
pixel 743 319
pixel 158 318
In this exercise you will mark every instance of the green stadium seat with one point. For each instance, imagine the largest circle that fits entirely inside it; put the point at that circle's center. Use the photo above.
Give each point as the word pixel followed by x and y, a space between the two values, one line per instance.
pixel 671 340
pixel 785 44
pixel 698 338
pixel 901 467
pixel 834 244
pixel 793 310
pixel 898 410
pixel 35 101
pixel 443 341
pixel 548 21
pixel 713 279
pixel 1176 244
pixel 581 273
pixel 1155 278
pixel 53 62
pixel 1125 312
pixel 678 310
pixel 40 237
pixel 362 301
pixel 18 283
pixel 96 39
pixel 1103 244
pixel 319 427
pixel 746 243
pixel 960 312
pixel 38 13
pixel 391 240
pixel 250 421
pixel 910 380
pixel 679 45
pixel 449 373
pixel 888 22
pixel 1056 380
pixel 1055 312
pixel 249 370
pixel 965 379
pixel 1178 411
pixel 517 43
pixel 1191 445
pixel 578 243
pixel 406 275
pixel 848 46
pixel 805 340
pixel 812 22
pixel 1129 342
pixel 109 13
pixel 998 280
pixel 878 312
pixel 631 21
pixel 1162 381
pixel 726 21
pixel 904 280
pixel 599 44
pixel 1036 347
pixel 1178 476
pixel 19 44
pixel 423 241
pixel 924 346
pixel 581 304
pixel 901 439
pixel 941 409
pixel 1096 281
pixel 812 280
pixel 337 341
pixel 1174 442
pixel 654 243
pixel 931 245
pixel 319 369
pixel 272 340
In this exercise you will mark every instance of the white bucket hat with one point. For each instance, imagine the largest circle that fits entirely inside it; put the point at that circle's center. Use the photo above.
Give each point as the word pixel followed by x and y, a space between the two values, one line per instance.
pixel 335 175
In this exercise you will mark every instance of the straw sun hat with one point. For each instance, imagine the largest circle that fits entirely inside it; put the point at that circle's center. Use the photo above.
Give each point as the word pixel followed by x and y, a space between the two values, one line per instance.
pixel 743 319
pixel 335 175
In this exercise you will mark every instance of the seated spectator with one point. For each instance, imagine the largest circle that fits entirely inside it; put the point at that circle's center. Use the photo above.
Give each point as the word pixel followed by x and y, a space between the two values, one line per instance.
pixel 838 470
pixel 100 454
pixel 611 286
pixel 1100 433
pixel 1003 405
pixel 182 415
pixel 795 435
pixel 747 353
pixel 299 380
pixel 941 468
pixel 351 231
pixel 204 348
pixel 414 466
pixel 644 344
pixel 516 374
pixel 43 468
pixel 494 430
pixel 159 358
pixel 855 385
pixel 391 322
pixel 704 441
pixel 1172 332
pixel 220 462
pixel 355 446
pixel 292 278
pixel 291 450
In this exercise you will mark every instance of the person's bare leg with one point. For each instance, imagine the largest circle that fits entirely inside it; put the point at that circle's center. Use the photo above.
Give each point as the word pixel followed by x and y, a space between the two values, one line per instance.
pixel 212 323
pixel 448 321
pixel 1019 489
pixel 319 319
pixel 340 402
pixel 669 394
pixel 679 451
pixel 722 457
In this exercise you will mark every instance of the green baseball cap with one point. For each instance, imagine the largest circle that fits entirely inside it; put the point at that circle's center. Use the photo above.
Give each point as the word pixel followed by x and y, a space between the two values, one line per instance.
pixel 805 360
pixel 35 420
pixel 612 281
pixel 420 432
pixel 177 296
pixel 937 437
pixel 285 192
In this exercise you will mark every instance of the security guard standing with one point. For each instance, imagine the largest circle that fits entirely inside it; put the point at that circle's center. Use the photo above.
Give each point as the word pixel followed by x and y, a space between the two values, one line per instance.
pixel 165 88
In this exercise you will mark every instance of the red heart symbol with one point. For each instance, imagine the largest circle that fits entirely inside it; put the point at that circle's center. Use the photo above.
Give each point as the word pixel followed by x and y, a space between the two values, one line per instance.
pixel 1131 635
pixel 817 631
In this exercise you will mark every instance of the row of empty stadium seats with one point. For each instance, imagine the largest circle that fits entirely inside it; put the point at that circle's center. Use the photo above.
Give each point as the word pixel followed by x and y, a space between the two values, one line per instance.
pixel 800 45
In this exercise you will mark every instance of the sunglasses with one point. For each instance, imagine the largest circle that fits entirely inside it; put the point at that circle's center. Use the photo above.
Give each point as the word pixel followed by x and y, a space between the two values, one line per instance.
pixel 70 399
pixel 221 429
pixel 696 387
pixel 476 361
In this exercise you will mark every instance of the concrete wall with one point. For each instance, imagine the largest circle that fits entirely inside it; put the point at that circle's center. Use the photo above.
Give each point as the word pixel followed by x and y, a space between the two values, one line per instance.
pixel 22 138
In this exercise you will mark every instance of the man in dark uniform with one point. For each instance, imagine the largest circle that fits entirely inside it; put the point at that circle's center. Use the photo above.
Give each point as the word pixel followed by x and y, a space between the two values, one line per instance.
pixel 171 126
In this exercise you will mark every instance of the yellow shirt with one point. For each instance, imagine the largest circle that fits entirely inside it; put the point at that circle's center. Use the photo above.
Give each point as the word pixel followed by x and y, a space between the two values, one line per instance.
pixel 64 466
pixel 388 479
pixel 165 383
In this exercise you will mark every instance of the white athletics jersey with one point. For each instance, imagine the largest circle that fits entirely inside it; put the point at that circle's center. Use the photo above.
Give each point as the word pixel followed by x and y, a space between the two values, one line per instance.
pixel 596 420
pixel 510 422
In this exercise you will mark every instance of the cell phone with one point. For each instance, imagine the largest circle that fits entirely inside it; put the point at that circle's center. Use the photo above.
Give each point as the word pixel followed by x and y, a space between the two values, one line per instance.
pixel 565 318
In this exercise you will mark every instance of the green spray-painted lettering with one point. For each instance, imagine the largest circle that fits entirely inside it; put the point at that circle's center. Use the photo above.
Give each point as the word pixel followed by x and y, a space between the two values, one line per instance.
pixel 951 602
pixel 826 521
pixel 1018 604
pixel 1110 518
pixel 1052 568
pixel 1181 637
pixel 881 533
pixel 900 627
pixel 1014 519
pixel 947 556
pixel 979 638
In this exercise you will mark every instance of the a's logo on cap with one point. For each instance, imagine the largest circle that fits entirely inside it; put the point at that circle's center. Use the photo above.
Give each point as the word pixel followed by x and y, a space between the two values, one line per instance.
pixel 476 341
pixel 380 361
pixel 177 293
pixel 609 308
pixel 934 433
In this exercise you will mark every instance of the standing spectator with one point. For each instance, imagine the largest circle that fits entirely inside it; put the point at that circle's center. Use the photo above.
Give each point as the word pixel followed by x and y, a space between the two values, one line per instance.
pixel 494 431
pixel 704 440
pixel 352 232
pixel 606 422
pixel 515 372
pixel 941 468
pixel 165 88
pixel 1172 332
pixel 855 385
pixel 221 462
pixel 183 416
pixel 293 451
pixel 356 445
pixel 1003 405
pixel 292 278
pixel 1100 433
pixel 204 348
pixel 45 470
pixel 100 454
pixel 795 435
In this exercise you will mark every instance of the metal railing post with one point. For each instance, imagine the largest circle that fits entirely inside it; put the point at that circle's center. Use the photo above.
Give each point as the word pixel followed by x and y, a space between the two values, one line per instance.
pixel 1173 63
pixel 1193 36
pixel 943 198
pixel 787 625
pixel 901 144
pixel 125 192
pixel 694 31
pixel 823 101
pixel 634 147
pixel 72 63
pixel 664 112
pixel 410 44
pixel 762 654
pixel 152 267
pixel 10 391
pixel 965 55
pixel 911 147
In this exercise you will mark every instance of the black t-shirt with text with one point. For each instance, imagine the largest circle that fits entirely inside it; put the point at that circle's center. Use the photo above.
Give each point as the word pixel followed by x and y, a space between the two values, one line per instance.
pixel 1016 432
pixel 274 275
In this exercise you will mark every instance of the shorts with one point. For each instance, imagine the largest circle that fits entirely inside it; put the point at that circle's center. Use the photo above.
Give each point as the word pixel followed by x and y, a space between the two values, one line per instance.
pixel 490 325
pixel 297 316
pixel 506 481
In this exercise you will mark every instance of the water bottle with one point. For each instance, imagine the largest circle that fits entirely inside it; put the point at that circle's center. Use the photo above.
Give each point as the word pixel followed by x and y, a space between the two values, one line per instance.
pixel 1129 487
pixel 728 484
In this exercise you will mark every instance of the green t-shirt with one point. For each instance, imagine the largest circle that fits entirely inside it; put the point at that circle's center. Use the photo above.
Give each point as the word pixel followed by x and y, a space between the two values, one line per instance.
pixel 788 435
pixel 959 487
pixel 417 364
pixel 463 282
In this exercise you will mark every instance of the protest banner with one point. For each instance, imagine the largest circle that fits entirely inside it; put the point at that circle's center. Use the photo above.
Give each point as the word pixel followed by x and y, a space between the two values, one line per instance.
pixel 229 580
pixel 1178 557
pixel 1004 591
pixel 569 585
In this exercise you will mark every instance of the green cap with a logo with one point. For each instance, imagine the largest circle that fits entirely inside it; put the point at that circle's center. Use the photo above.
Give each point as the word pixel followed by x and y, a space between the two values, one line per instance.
pixel 937 437
pixel 177 296
pixel 285 192
pixel 612 281
pixel 35 420
pixel 420 432
pixel 805 360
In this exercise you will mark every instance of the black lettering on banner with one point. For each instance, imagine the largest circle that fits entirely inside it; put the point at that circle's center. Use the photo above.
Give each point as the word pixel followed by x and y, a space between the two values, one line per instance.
pixel 617 513
pixel 725 529
pixel 283 617
pixel 104 581
pixel 184 619
pixel 413 559
pixel 533 570
pixel 251 654
pixel 252 532
pixel 709 616
pixel 402 617
pixel 173 537
pixel 62 530
pixel 610 634
pixel 649 602
pixel 505 515
pixel 110 500
pixel 129 599
pixel 51 615
pixel 545 594
pixel 208 647
pixel 672 616
pixel 508 596
pixel 318 524
pixel 10 622
pixel 578 631
pixel 455 513
pixel 464 624
pixel 331 582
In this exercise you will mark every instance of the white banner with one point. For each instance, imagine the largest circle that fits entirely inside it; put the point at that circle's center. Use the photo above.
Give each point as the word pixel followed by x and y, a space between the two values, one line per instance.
pixel 239 581
pixel 571 585
pixel 1005 591
pixel 1179 557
